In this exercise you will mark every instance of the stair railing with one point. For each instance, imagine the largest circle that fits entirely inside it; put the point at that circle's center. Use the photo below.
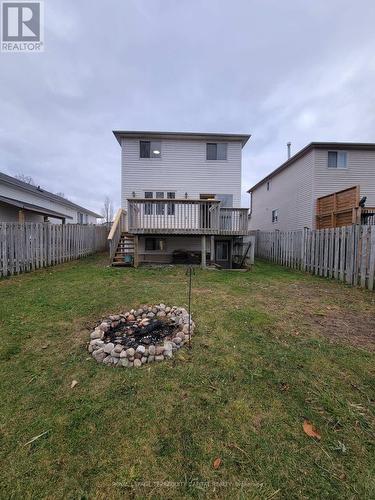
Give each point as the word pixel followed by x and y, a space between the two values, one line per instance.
pixel 118 227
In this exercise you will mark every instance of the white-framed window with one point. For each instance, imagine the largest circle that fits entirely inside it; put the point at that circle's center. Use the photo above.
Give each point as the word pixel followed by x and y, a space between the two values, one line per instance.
pixel 275 215
pixel 160 208
pixel 337 159
pixel 268 185
pixel 149 206
pixel 171 195
pixel 79 218
pixel 149 149
pixel 216 151
pixel 154 244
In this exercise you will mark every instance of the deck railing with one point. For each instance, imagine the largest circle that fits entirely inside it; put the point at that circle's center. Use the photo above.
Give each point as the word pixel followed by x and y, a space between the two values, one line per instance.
pixel 118 227
pixel 368 216
pixel 181 216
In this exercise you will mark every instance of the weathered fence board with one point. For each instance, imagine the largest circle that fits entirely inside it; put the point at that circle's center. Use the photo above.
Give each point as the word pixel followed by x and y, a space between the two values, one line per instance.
pixel 30 246
pixel 346 253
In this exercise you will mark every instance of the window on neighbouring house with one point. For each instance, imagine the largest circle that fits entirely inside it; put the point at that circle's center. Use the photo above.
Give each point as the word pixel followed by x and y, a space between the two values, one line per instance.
pixel 275 215
pixel 79 218
pixel 149 206
pixel 216 151
pixel 337 159
pixel 154 244
pixel 268 185
pixel 149 149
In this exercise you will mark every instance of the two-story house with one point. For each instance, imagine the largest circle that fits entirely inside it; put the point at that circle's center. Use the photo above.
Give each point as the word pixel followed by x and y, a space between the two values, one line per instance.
pixel 320 186
pixel 181 198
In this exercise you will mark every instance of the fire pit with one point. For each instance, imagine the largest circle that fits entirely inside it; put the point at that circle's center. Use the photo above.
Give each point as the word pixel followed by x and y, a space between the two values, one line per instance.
pixel 140 336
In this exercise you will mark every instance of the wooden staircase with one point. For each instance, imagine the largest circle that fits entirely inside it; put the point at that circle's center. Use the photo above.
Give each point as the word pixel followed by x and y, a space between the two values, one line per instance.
pixel 124 255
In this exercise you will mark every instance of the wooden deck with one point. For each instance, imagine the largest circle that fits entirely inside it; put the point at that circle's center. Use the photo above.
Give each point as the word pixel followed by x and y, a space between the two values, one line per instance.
pixel 185 217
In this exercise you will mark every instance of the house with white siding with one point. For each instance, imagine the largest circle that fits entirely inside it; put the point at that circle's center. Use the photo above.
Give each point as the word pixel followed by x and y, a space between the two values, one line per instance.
pixel 23 202
pixel 180 197
pixel 286 199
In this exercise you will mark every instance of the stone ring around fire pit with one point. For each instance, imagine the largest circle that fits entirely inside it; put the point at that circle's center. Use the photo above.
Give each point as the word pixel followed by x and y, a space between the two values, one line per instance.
pixel 140 336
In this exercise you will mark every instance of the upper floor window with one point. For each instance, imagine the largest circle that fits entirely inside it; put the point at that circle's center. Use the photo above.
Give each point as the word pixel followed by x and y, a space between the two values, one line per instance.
pixel 337 159
pixel 216 151
pixel 149 149
pixel 275 215
pixel 268 185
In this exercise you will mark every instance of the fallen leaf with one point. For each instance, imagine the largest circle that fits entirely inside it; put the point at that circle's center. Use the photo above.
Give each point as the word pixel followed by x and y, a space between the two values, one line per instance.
pixel 310 429
pixel 74 383
pixel 217 463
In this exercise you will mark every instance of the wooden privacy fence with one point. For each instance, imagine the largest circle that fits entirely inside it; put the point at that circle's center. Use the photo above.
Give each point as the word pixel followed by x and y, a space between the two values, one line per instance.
pixel 30 246
pixel 345 253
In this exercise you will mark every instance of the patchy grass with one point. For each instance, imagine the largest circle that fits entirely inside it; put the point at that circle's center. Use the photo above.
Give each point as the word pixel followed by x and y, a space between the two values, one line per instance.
pixel 272 347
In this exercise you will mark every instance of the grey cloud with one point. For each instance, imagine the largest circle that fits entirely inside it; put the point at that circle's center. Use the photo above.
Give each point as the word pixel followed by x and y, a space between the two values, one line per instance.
pixel 291 70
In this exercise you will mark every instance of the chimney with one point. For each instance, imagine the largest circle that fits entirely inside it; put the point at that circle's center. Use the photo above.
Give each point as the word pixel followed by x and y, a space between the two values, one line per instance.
pixel 288 146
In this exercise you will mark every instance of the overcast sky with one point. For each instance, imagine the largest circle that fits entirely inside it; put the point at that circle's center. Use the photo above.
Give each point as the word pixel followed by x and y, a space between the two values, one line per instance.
pixel 282 71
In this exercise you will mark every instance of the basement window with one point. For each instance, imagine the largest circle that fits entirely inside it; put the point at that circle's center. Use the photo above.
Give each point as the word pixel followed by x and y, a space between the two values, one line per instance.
pixel 154 244
pixel 337 159
pixel 275 215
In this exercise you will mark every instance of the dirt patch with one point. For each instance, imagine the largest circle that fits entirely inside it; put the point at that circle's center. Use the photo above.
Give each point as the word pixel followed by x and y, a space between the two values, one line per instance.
pixel 352 328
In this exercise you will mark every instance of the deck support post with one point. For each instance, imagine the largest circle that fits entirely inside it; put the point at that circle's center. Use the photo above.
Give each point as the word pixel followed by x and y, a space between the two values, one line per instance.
pixel 136 253
pixel 203 261
pixel 212 250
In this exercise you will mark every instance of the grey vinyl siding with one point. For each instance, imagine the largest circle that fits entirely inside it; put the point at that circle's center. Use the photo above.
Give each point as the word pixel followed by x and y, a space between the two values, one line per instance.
pixel 291 192
pixel 182 168
pixel 22 195
pixel 360 171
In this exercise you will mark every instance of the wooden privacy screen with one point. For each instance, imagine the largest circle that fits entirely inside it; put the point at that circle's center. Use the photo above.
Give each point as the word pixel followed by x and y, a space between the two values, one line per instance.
pixel 338 209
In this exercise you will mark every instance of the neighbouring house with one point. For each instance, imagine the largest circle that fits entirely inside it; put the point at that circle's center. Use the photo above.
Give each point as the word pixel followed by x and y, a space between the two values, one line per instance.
pixel 181 198
pixel 23 202
pixel 323 185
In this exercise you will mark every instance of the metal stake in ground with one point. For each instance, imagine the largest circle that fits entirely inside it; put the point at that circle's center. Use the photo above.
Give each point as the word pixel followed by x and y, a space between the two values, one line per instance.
pixel 189 273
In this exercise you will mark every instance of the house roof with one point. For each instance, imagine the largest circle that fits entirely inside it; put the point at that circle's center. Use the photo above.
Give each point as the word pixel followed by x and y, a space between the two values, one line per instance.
pixel 43 194
pixel 140 134
pixel 33 208
pixel 315 145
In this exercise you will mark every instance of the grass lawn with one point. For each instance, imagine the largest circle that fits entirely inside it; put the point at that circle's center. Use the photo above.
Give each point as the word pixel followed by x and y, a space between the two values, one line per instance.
pixel 272 347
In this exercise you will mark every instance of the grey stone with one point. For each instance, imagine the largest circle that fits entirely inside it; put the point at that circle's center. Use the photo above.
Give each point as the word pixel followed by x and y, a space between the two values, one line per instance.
pixel 137 363
pixel 161 314
pixel 130 364
pixel 151 350
pixel 144 360
pixel 154 310
pixel 150 359
pixel 159 350
pixel 139 312
pixel 119 348
pixel 96 334
pixel 115 361
pixel 162 306
pixel 159 358
pixel 123 354
pixel 141 349
pixel 124 362
pixel 131 358
pixel 107 360
pixel 108 347
pixel 99 355
pixel 130 352
pixel 104 327
pixel 177 340
pixel 167 309
pixel 151 315
pixel 115 354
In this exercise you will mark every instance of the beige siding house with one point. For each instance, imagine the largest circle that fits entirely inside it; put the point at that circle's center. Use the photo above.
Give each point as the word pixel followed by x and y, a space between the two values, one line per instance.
pixel 181 196
pixel 286 198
